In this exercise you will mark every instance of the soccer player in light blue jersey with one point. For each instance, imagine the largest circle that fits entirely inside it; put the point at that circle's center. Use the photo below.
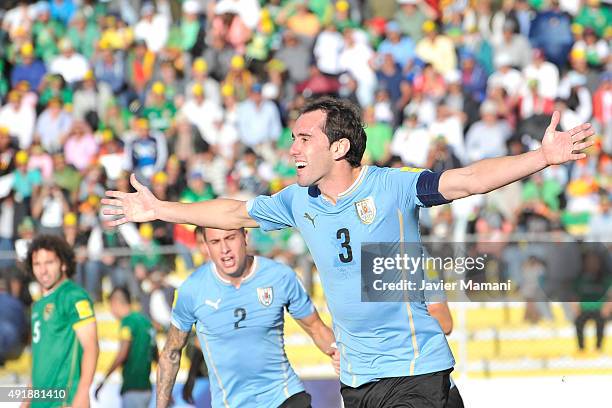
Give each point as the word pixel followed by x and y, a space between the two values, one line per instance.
pixel 237 303
pixel 392 354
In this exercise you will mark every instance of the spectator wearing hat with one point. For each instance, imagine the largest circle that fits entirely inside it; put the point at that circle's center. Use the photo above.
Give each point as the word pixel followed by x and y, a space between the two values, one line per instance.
pixel 513 44
pixel 174 87
pixel 192 31
pixel 66 176
pixel 62 10
pixel 69 64
pixel 147 153
pixel 505 76
pixel 410 16
pixel 487 137
pixel 594 15
pixel 110 155
pixel 402 48
pixel 202 112
pixel 26 183
pixel 109 68
pixel 544 72
pixel 436 49
pixel 259 121
pixel 153 28
pixel 199 75
pixel 473 77
pixel 239 77
pixel 344 15
pixel 49 207
pixel 302 21
pixel 54 86
pixel 159 110
pixel 596 49
pixel 41 160
pixel 53 125
pixel 31 69
pixel 91 100
pixel 18 117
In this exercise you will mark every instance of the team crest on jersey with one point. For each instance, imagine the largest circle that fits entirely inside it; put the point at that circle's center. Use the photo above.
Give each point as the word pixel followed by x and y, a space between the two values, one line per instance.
pixel 49 307
pixel 265 296
pixel 366 210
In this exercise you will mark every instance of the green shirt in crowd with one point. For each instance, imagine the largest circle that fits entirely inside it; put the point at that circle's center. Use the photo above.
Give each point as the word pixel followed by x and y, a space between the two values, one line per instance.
pixel 379 136
pixel 56 350
pixel 138 330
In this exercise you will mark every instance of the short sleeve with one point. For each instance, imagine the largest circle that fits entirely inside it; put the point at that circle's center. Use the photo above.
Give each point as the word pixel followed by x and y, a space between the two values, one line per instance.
pixel 417 187
pixel 183 317
pixel 80 309
pixel 125 333
pixel 299 303
pixel 273 212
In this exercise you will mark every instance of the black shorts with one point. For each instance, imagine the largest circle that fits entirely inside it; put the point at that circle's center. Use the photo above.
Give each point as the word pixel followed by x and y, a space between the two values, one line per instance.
pixel 299 400
pixel 454 399
pixel 418 391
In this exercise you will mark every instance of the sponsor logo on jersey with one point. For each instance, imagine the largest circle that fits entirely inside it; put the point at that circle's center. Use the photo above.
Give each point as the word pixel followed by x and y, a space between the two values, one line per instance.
pixel 49 307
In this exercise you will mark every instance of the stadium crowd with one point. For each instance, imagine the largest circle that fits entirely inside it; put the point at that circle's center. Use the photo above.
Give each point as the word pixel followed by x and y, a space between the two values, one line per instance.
pixel 197 98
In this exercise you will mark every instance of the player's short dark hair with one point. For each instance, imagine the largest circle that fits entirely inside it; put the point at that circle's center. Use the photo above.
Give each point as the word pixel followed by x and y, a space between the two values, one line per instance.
pixel 123 294
pixel 342 121
pixel 201 231
pixel 55 244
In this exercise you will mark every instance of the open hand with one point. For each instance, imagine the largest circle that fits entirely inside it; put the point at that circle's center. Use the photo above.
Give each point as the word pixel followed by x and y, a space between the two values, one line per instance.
pixel 561 147
pixel 131 207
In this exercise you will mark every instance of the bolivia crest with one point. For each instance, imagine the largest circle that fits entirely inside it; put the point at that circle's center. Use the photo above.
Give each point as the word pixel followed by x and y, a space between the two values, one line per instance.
pixel 265 296
pixel 366 210
pixel 49 307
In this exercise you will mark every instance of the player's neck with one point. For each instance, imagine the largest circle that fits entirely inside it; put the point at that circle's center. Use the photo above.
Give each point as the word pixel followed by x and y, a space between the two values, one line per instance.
pixel 340 179
pixel 248 269
pixel 47 292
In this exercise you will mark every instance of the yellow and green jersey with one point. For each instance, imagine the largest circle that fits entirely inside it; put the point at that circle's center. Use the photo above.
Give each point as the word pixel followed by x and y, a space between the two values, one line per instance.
pixel 56 350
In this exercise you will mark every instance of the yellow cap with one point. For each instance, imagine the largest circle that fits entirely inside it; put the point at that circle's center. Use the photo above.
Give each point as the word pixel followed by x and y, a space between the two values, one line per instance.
pixel 4 130
pixel 342 5
pixel 608 32
pixel 227 90
pixel 104 43
pixel 146 230
pixel 200 65
pixel 21 157
pixel 237 62
pixel 160 178
pixel 65 44
pixel 197 90
pixel 89 75
pixel 23 86
pixel 93 200
pixel 578 53
pixel 14 95
pixel 158 88
pixel 428 26
pixel 107 135
pixel 142 123
pixel 577 28
pixel 27 49
pixel 70 219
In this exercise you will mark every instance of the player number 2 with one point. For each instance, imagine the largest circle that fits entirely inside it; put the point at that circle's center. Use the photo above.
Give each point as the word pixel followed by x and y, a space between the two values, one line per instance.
pixel 241 313
pixel 344 234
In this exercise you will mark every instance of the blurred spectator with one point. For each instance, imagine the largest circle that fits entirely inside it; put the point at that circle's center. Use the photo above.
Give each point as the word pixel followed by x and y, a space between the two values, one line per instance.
pixel 295 54
pixel 53 125
pixel 487 137
pixel 13 324
pixel 550 31
pixel 515 45
pixel 379 136
pixel 327 49
pixel 202 112
pixel 355 59
pixel 152 27
pixel 411 142
pixel 71 65
pixel 506 76
pixel 436 49
pixel 401 48
pixel 49 207
pixel 31 69
pixel 410 18
pixel 545 73
pixel 259 122
pixel 18 117
pixel 147 152
pixel 199 75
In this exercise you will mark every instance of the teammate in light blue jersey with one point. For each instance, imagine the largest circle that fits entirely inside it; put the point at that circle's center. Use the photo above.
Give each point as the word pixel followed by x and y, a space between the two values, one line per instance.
pixel 237 304
pixel 391 354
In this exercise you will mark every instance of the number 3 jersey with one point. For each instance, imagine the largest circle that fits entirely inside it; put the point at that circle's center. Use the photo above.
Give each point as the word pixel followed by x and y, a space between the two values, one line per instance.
pixel 376 340
pixel 56 350
pixel 241 331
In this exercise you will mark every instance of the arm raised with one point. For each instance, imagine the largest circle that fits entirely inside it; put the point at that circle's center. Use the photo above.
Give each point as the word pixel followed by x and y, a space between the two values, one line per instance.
pixel 490 174
pixel 143 206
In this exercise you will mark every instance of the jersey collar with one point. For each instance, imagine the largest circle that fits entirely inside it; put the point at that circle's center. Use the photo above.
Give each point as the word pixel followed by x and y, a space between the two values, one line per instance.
pixel 245 278
pixel 355 184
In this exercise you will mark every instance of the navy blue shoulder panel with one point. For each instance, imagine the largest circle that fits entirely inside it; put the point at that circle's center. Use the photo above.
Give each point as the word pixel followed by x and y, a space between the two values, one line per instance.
pixel 427 189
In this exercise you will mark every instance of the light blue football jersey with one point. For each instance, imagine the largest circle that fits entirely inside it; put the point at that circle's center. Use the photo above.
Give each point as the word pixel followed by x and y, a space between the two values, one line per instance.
pixel 241 331
pixel 376 340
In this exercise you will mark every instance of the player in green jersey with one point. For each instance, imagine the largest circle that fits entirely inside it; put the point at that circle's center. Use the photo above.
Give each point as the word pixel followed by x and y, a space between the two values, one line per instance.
pixel 137 350
pixel 64 335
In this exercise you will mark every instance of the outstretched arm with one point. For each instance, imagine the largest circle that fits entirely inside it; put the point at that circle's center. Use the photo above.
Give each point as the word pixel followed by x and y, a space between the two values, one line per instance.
pixel 143 206
pixel 169 363
pixel 490 174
